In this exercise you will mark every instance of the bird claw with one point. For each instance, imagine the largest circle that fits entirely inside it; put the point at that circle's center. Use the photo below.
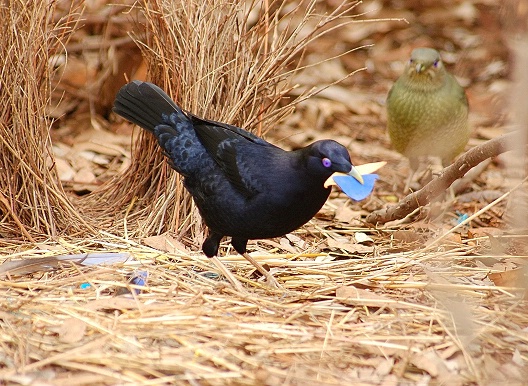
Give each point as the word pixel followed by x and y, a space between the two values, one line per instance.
pixel 271 281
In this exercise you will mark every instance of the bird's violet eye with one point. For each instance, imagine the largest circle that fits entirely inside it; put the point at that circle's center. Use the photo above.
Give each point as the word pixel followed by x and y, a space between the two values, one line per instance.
pixel 326 162
pixel 436 63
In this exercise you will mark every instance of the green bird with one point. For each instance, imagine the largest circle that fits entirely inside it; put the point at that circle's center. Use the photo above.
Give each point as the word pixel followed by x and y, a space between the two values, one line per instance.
pixel 427 110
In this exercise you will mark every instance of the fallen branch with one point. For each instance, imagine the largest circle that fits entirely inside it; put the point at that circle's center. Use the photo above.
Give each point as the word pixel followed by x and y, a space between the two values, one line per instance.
pixel 438 185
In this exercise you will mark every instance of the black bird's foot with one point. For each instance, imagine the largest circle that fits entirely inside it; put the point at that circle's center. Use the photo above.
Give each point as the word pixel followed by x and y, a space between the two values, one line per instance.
pixel 272 282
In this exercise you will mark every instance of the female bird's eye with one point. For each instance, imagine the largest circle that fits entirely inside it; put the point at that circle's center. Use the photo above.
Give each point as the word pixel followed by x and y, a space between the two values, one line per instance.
pixel 436 62
pixel 326 162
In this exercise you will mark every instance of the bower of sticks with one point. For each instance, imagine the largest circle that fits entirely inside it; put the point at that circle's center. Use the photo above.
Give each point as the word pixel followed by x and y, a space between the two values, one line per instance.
pixel 102 278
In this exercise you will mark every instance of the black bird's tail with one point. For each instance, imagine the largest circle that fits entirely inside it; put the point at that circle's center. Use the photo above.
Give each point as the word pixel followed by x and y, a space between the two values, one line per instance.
pixel 144 104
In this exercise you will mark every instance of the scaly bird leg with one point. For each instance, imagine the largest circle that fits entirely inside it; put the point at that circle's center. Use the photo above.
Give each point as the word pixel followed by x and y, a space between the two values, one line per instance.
pixel 407 187
pixel 269 277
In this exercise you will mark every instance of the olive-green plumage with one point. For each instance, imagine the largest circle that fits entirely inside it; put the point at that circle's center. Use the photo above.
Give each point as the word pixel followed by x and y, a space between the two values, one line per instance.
pixel 427 110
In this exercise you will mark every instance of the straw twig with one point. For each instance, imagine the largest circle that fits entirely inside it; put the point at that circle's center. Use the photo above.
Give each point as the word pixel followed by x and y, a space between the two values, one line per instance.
pixel 32 195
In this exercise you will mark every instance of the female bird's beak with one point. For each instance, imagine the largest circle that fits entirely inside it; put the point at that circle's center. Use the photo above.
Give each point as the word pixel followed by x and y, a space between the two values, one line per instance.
pixel 357 175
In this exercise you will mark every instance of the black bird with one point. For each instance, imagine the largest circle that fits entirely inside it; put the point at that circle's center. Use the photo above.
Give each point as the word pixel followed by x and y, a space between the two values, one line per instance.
pixel 243 186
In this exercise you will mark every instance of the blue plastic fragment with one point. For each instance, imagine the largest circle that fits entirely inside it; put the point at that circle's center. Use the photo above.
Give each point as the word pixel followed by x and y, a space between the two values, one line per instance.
pixel 353 188
pixel 139 278
pixel 461 217
pixel 210 275
pixel 85 285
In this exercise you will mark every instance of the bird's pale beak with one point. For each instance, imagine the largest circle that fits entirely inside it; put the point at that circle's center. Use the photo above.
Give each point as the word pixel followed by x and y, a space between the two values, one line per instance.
pixel 419 67
pixel 357 175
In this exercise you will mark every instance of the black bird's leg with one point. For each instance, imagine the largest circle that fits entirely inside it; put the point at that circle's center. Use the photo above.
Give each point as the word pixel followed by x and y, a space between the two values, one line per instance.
pixel 210 248
pixel 240 247
pixel 211 244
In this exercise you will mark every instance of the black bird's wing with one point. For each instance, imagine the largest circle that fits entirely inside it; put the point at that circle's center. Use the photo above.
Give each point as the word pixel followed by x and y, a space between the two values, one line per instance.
pixel 197 148
pixel 230 147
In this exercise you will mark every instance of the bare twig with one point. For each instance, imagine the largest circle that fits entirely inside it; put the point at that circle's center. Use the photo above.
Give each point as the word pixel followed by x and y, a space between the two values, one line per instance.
pixel 439 184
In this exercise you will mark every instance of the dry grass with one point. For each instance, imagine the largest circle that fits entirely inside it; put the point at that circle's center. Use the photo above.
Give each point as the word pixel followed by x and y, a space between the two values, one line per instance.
pixel 397 317
pixel 32 201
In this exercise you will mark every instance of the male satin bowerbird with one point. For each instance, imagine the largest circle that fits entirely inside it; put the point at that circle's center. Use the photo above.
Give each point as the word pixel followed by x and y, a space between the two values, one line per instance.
pixel 427 110
pixel 243 186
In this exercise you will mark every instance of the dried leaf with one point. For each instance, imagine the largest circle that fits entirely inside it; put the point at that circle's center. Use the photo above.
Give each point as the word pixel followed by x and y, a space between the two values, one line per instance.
pixel 84 176
pixel 296 240
pixel 517 358
pixel 345 214
pixel 72 330
pixel 430 362
pixel 324 258
pixel 485 231
pixel 362 237
pixel 359 296
pixel 346 245
pixel 512 278
pixel 286 245
pixel 385 367
pixel 358 102
pixel 64 169
pixel 166 243
pixel 408 237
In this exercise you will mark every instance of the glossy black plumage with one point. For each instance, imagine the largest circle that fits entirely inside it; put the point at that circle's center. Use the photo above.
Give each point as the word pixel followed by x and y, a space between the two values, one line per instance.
pixel 243 186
